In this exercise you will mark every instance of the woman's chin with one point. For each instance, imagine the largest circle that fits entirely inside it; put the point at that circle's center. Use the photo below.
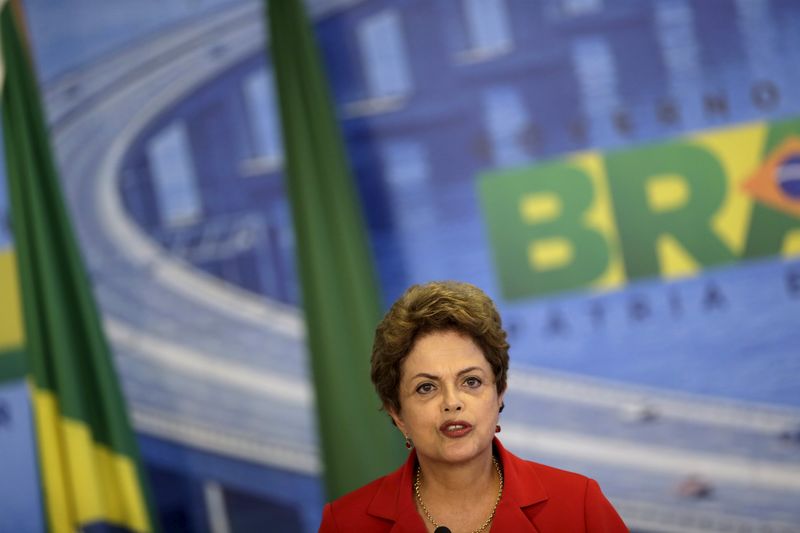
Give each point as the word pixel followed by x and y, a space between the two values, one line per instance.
pixel 460 450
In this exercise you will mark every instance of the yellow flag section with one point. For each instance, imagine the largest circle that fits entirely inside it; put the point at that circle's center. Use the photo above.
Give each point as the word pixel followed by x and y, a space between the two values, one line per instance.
pixel 13 365
pixel 11 325
pixel 77 473
pixel 598 220
pixel 75 468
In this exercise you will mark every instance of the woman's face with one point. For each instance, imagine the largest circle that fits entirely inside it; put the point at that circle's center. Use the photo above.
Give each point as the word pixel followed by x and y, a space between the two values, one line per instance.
pixel 448 399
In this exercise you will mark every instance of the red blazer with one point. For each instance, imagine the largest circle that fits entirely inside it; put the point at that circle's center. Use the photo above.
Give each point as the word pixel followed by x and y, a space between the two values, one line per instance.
pixel 535 498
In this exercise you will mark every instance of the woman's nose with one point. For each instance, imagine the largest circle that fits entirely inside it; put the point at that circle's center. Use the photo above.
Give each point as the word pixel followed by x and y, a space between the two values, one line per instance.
pixel 451 401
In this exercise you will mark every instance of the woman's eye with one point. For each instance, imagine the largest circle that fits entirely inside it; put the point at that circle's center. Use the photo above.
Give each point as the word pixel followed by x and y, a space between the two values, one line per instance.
pixel 472 382
pixel 425 388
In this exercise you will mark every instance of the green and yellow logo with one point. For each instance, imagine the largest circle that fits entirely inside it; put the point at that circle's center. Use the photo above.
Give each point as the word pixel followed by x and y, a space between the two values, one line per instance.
pixel 596 221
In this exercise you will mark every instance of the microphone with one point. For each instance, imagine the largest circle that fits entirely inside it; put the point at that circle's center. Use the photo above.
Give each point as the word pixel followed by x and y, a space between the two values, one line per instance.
pixel 442 529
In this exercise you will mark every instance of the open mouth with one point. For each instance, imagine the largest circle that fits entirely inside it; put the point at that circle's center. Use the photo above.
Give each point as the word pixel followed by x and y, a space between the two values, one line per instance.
pixel 455 428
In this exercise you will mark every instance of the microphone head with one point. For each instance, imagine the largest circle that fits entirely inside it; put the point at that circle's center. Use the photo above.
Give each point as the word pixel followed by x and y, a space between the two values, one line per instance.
pixel 442 529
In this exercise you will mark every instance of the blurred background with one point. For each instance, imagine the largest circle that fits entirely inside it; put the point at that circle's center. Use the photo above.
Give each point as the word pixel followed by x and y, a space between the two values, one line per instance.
pixel 621 176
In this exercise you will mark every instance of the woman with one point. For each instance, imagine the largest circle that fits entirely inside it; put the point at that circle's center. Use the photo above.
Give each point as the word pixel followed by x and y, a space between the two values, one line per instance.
pixel 439 365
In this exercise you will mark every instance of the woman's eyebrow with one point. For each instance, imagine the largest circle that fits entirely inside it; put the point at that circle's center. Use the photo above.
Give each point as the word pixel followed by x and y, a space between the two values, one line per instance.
pixel 425 375
pixel 470 369
pixel 460 372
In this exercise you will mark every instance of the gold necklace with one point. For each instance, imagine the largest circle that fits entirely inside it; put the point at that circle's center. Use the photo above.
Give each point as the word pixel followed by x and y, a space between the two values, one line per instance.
pixel 418 484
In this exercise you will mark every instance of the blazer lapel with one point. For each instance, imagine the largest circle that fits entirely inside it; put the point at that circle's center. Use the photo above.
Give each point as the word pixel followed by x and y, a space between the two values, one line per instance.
pixel 521 489
pixel 509 517
pixel 393 500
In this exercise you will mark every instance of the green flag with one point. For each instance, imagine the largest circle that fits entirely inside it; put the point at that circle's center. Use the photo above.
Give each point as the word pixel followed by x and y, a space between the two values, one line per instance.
pixel 90 472
pixel 340 294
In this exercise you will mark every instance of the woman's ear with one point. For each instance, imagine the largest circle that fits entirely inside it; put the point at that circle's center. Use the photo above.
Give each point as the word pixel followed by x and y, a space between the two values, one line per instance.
pixel 397 419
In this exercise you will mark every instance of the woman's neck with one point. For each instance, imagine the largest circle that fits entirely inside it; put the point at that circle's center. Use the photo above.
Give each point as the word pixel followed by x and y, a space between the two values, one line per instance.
pixel 465 480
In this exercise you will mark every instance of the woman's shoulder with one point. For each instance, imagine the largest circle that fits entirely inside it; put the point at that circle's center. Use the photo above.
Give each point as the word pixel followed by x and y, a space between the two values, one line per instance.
pixel 554 481
pixel 568 496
